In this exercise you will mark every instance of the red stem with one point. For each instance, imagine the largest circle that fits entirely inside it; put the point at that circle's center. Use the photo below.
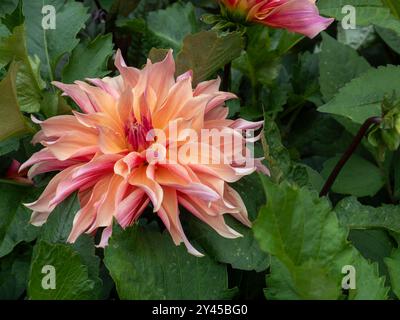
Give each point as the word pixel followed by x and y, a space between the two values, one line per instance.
pixel 348 153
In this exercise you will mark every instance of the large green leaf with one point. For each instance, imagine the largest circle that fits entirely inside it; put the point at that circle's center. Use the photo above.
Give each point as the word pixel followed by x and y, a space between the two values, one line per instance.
pixel 12 122
pixel 57 229
pixel 367 12
pixel 172 24
pixel 362 97
pixel 146 264
pixel 354 215
pixel 206 52
pixel 71 275
pixel 51 44
pixel 89 60
pixel 338 65
pixel 348 180
pixel 393 265
pixel 308 246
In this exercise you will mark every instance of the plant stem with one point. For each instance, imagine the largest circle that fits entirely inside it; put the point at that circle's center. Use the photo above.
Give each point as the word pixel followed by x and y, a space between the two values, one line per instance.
pixel 346 156
pixel 226 81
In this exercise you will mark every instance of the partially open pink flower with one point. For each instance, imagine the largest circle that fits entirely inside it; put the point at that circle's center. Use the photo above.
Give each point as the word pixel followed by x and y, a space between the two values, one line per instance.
pixel 120 152
pixel 301 16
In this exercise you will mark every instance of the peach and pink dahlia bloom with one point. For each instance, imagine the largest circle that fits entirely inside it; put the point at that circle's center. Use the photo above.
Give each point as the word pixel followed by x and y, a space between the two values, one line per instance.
pixel 109 153
pixel 300 16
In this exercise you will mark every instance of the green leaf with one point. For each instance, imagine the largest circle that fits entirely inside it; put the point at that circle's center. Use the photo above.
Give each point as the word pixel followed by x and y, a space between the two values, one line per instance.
pixel 59 224
pixel 338 65
pixel 14 270
pixel 72 276
pixel 15 18
pixel 9 145
pixel 391 38
pixel 369 284
pixel 89 60
pixel 374 245
pixel 393 265
pixel 367 12
pixel 57 229
pixel 158 270
pixel 354 215
pixel 359 38
pixel 12 121
pixel 242 253
pixel 278 157
pixel 51 44
pixel 14 216
pixel 259 62
pixel 301 231
pixel 362 97
pixel 172 24
pixel 29 84
pixel 7 6
pixel 394 7
pixel 358 177
pixel 206 52
pixel 308 246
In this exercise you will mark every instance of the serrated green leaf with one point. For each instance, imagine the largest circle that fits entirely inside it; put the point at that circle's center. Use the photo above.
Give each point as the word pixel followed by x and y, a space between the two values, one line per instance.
pixel 369 285
pixel 338 65
pixel 206 52
pixel 172 24
pixel 308 246
pixel 89 60
pixel 160 270
pixel 71 275
pixel 362 97
pixel 348 180
pixel 354 215
pixel 50 44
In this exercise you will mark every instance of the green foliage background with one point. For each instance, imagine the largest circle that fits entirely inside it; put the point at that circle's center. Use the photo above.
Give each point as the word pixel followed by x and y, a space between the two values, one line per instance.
pixel 313 95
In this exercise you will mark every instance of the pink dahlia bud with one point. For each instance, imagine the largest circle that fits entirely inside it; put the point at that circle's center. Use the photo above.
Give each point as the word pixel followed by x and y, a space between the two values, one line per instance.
pixel 145 138
pixel 14 174
pixel 300 16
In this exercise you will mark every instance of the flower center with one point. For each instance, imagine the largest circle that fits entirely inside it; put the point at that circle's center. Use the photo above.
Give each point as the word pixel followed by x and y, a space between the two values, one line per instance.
pixel 139 134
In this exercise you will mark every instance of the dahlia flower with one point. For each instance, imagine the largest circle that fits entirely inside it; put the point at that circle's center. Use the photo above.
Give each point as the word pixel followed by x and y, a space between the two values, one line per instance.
pixel 300 16
pixel 121 154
